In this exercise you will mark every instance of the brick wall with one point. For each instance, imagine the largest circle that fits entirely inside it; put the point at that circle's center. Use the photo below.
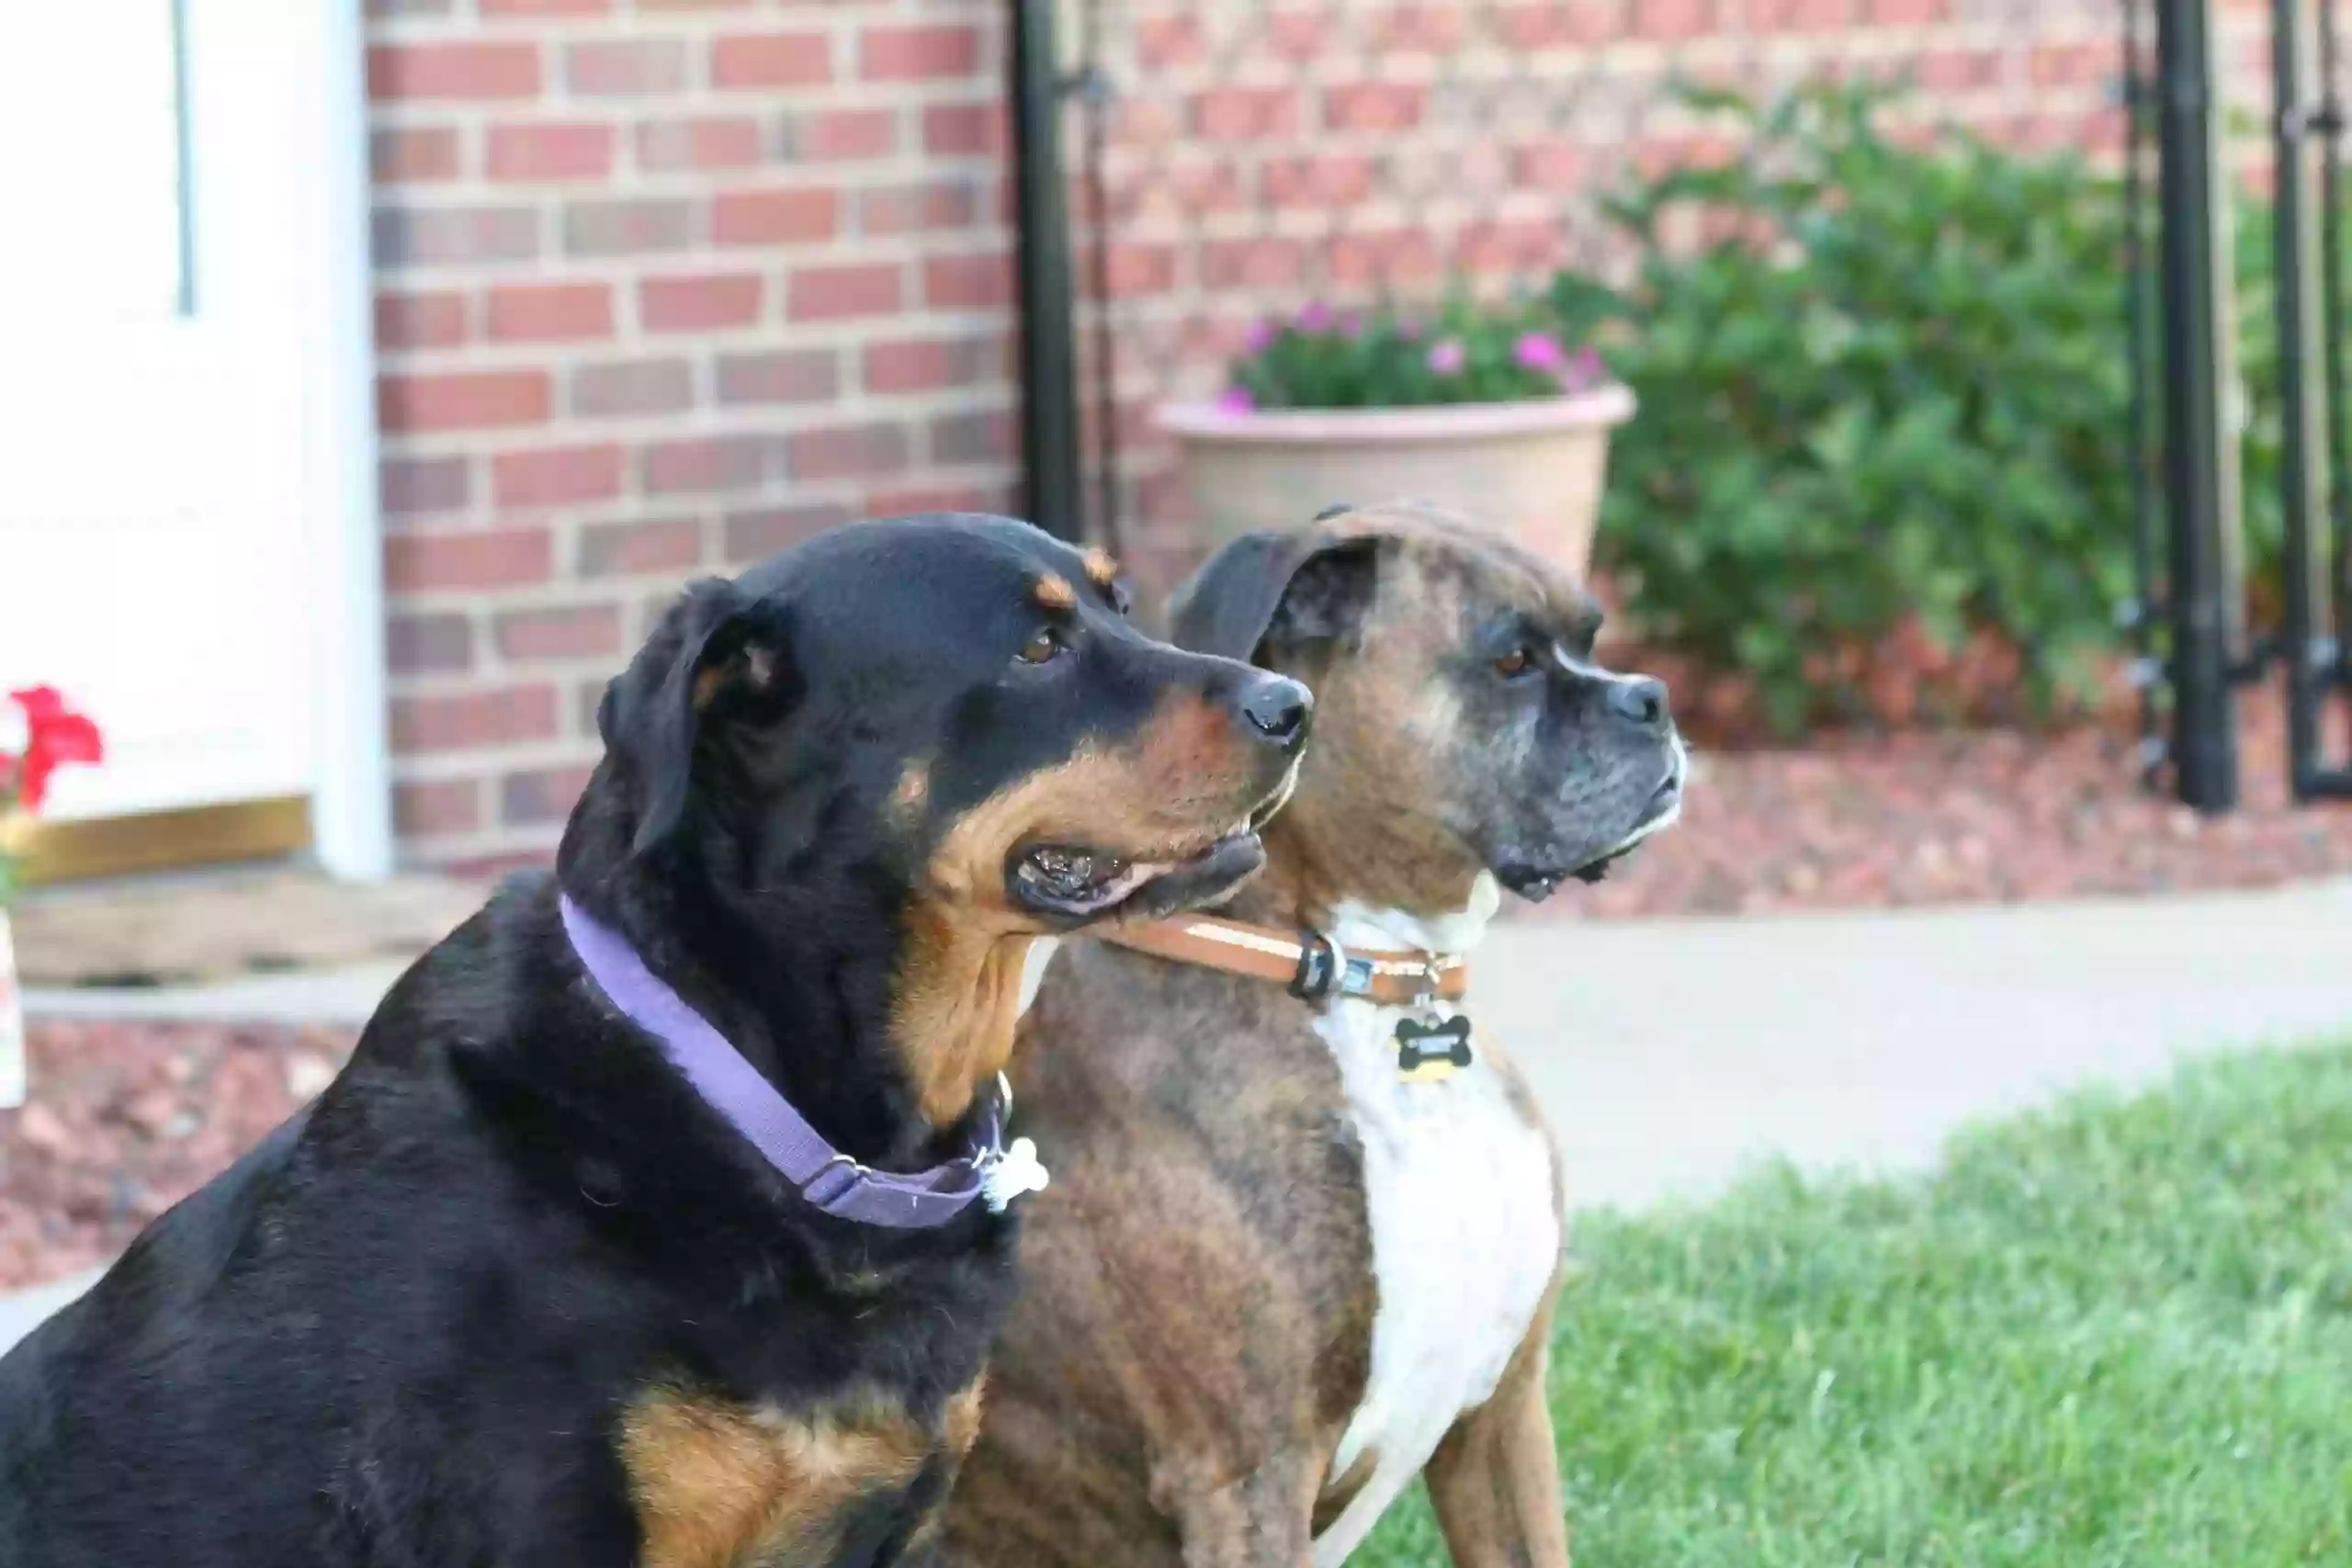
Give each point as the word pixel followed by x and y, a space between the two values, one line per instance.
pixel 1351 151
pixel 662 285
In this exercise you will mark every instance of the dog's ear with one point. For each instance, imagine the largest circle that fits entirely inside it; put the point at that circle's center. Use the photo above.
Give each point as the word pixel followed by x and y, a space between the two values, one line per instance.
pixel 1280 589
pixel 717 658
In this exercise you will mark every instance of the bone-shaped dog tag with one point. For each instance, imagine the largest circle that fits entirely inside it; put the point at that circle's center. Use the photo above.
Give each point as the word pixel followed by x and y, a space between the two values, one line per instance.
pixel 1429 1053
pixel 1015 1171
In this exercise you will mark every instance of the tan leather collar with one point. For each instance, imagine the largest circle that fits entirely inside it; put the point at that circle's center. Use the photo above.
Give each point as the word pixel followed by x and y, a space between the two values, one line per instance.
pixel 1311 964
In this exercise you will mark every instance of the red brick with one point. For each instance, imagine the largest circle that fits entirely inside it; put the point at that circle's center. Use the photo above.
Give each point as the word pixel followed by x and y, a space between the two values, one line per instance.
pixel 437 319
pixel 623 68
pixel 463 400
pixel 1323 180
pixel 1957 70
pixel 540 797
pixel 666 546
pixel 755 536
pixel 905 54
pixel 1548 166
pixel 728 141
pixel 774 217
pixel 845 134
pixel 1136 269
pixel 834 293
pixel 630 387
pixel 771 60
pixel 495 10
pixel 1164 41
pixel 1672 19
pixel 440 644
pixel 695 5
pixel 930 364
pixel 708 463
pixel 629 226
pixel 498 557
pixel 1261 263
pixel 1375 105
pixel 700 303
pixel 848 451
pixel 417 487
pixel 1801 15
pixel 454 236
pixel 540 154
pixel 964 129
pixel 423 809
pixel 551 312
pixel 1906 13
pixel 1244 114
pixel 568 631
pixel 907 210
pixel 462 71
pixel 415 155
pixel 786 375
pixel 976 282
pixel 461 720
pixel 985 436
pixel 1296 35
pixel 555 475
pixel 1426 29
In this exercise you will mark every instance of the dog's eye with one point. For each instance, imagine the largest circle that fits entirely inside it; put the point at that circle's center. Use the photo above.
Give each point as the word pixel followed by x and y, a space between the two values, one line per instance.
pixel 1516 663
pixel 1044 645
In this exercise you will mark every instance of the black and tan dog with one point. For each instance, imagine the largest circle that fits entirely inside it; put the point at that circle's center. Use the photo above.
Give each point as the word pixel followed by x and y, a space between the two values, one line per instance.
pixel 542 1280
pixel 1311 1233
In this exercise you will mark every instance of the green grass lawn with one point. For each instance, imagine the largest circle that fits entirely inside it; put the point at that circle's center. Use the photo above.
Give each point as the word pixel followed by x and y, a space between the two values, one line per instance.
pixel 2117 1333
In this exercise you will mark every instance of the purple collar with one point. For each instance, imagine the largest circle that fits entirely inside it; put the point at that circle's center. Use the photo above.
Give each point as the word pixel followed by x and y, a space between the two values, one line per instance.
pixel 825 1177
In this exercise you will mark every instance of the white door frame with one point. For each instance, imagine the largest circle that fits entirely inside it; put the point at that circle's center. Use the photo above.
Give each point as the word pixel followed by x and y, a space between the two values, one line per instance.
pixel 351 805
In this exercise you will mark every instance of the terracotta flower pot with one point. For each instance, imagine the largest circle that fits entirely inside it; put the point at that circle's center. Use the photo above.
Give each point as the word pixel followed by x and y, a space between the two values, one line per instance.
pixel 1532 467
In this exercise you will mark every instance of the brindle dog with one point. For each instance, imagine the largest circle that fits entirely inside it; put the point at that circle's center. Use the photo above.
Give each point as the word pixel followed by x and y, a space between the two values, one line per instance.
pixel 1282 1278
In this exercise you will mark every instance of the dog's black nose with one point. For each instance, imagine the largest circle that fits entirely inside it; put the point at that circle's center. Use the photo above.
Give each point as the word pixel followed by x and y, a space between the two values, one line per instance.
pixel 1277 708
pixel 1639 698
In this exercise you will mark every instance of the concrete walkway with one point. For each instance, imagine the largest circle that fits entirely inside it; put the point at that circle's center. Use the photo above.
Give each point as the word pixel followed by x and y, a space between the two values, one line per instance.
pixel 1672 1054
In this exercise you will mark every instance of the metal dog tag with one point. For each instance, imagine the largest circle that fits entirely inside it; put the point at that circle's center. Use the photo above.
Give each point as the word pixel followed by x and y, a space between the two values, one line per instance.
pixel 1012 1173
pixel 1431 1052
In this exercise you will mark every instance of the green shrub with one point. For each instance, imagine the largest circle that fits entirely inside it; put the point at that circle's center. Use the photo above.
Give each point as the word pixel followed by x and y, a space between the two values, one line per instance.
pixel 1893 384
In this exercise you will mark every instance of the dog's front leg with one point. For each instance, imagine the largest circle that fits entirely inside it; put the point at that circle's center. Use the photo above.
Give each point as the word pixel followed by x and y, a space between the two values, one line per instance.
pixel 1495 1479
pixel 1262 1519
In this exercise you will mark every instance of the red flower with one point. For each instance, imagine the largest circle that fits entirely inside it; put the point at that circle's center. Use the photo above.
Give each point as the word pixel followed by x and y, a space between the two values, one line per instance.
pixel 55 735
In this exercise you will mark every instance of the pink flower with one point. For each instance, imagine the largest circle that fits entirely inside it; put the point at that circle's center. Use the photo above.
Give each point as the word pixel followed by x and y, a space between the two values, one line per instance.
pixel 1447 356
pixel 1236 399
pixel 1584 372
pixel 1262 337
pixel 1539 351
pixel 1411 329
pixel 1351 323
pixel 1315 317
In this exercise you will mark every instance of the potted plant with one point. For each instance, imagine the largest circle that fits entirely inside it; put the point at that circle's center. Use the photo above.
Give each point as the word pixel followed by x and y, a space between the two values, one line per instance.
pixel 52 734
pixel 1481 408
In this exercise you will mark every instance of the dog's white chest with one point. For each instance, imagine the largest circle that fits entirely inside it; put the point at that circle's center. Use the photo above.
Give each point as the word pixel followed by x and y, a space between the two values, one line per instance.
pixel 1459 1184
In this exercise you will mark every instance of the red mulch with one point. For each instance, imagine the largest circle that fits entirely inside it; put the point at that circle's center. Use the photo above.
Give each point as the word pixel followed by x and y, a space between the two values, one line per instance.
pixel 1924 817
pixel 127 1118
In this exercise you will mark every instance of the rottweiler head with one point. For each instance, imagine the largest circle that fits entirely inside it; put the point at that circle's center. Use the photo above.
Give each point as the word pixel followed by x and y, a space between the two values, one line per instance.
pixel 1463 728
pixel 870 771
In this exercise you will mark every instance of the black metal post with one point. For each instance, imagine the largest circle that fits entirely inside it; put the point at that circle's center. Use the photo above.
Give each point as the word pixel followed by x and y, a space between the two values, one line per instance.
pixel 1049 419
pixel 2291 260
pixel 2204 748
